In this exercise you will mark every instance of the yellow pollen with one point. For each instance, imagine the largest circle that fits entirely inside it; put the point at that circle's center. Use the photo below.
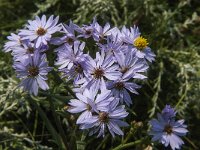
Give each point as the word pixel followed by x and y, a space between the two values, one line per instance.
pixel 140 43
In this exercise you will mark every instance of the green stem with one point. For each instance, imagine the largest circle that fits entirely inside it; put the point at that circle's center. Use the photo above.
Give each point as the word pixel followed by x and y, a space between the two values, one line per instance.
pixel 25 127
pixel 124 146
pixel 48 124
pixel 103 142
pixel 131 133
pixel 59 81
pixel 58 123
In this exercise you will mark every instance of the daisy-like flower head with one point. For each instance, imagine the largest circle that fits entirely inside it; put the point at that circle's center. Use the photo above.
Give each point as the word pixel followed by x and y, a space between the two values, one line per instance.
pixel 40 30
pixel 20 53
pixel 69 35
pixel 120 89
pixel 102 68
pixel 100 33
pixel 33 73
pixel 89 102
pixel 107 119
pixel 168 132
pixel 15 41
pixel 138 43
pixel 77 71
pixel 73 63
pixel 112 46
pixel 70 54
pixel 130 65
pixel 27 48
pixel 86 31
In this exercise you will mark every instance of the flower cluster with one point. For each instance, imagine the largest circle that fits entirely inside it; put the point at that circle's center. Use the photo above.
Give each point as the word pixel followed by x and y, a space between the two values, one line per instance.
pixel 167 130
pixel 28 48
pixel 103 84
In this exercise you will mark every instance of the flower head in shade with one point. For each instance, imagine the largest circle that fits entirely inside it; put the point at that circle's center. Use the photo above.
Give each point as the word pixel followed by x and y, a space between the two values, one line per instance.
pixel 40 30
pixel 168 131
pixel 20 53
pixel 112 46
pixel 73 63
pixel 27 48
pixel 33 73
pixel 14 41
pixel 89 102
pixel 69 35
pixel 120 89
pixel 130 65
pixel 69 55
pixel 86 31
pixel 107 119
pixel 168 112
pixel 100 33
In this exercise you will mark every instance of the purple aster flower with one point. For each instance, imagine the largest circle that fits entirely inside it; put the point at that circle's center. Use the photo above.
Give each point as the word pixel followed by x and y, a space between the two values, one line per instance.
pixel 86 31
pixel 27 48
pixel 128 36
pixel 102 67
pixel 69 55
pixel 120 89
pixel 112 46
pixel 73 63
pixel 89 102
pixel 109 118
pixel 168 132
pixel 40 30
pixel 14 41
pixel 33 73
pixel 130 65
pixel 140 45
pixel 22 52
pixel 69 35
pixel 100 33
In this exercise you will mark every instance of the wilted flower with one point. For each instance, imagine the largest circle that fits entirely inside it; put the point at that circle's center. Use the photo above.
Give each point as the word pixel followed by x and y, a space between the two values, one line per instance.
pixel 168 112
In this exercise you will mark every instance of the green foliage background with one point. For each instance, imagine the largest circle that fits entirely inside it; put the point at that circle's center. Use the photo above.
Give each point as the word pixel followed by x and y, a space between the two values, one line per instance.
pixel 173 30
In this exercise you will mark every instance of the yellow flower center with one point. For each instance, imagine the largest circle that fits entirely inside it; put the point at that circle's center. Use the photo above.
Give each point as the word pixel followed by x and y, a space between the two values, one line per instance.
pixel 140 43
